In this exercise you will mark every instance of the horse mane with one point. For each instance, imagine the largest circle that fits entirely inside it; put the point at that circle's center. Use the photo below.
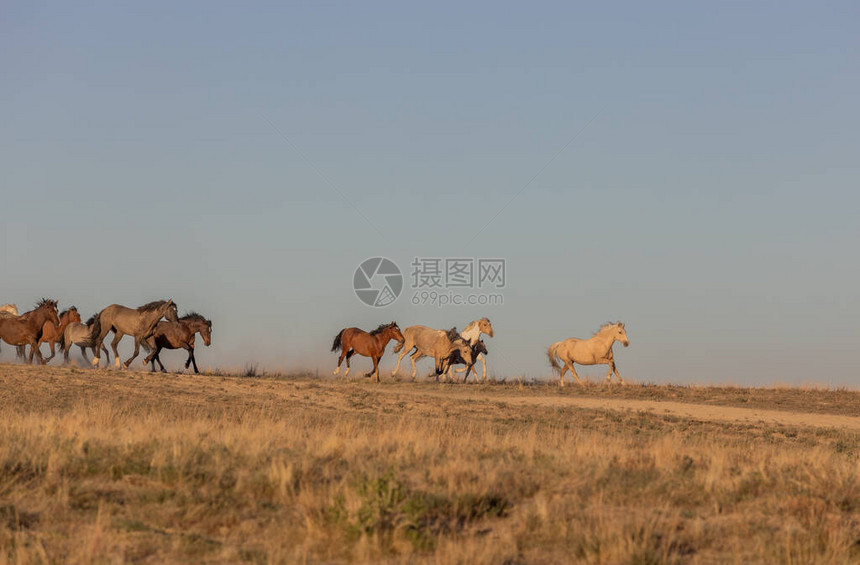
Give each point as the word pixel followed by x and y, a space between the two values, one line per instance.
pixel 382 328
pixel 453 334
pixel 608 325
pixel 43 302
pixel 91 319
pixel 195 317
pixel 67 310
pixel 151 306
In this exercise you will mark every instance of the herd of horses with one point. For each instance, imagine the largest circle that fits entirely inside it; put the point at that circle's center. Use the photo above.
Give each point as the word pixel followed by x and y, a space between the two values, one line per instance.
pixel 156 326
pixel 449 348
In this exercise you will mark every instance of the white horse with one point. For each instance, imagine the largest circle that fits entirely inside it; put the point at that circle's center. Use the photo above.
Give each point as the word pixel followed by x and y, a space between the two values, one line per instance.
pixel 596 350
pixel 471 335
pixel 439 344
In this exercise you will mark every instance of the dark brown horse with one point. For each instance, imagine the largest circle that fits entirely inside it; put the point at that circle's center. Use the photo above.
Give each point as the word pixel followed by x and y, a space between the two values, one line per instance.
pixel 26 329
pixel 457 359
pixel 136 322
pixel 353 340
pixel 52 333
pixel 178 335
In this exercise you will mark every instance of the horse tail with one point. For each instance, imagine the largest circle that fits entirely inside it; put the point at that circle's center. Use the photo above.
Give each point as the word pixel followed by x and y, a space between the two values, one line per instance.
pixel 336 343
pixel 62 341
pixel 552 353
pixel 21 351
pixel 96 329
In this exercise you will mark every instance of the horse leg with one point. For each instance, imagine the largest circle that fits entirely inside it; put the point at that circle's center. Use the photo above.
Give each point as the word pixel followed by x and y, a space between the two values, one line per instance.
pixel 400 356
pixel 348 357
pixel 83 352
pixel 134 355
pixel 339 361
pixel 34 348
pixel 414 357
pixel 160 364
pixel 614 369
pixel 53 352
pixel 573 372
pixel 376 359
pixel 116 337
pixel 483 367
pixel 193 360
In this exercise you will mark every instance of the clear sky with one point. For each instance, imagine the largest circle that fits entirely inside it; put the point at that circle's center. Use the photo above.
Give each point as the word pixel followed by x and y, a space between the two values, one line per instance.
pixel 689 169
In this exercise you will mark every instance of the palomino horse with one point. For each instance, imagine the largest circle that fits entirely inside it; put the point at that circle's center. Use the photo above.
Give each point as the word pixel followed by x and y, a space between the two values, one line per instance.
pixel 79 334
pixel 596 350
pixel 26 329
pixel 8 311
pixel 439 344
pixel 472 334
pixel 178 335
pixel 353 340
pixel 139 323
pixel 52 333
pixel 456 359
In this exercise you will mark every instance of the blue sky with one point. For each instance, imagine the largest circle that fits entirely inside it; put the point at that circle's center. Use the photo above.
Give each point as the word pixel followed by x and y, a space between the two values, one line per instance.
pixel 245 160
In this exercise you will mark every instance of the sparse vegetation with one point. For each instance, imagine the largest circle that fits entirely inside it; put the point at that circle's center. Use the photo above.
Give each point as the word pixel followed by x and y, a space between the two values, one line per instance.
pixel 103 466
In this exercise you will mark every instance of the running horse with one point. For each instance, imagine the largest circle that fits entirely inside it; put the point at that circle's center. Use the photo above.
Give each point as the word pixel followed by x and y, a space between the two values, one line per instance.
pixel 26 329
pixel 52 333
pixel 136 322
pixel 596 350
pixel 369 344
pixel 9 311
pixel 78 334
pixel 441 345
pixel 457 359
pixel 471 335
pixel 178 335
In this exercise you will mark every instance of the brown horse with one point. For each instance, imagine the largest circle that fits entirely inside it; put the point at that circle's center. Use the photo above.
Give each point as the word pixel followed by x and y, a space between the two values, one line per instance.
pixel 52 333
pixel 136 322
pixel 26 329
pixel 178 335
pixel 353 340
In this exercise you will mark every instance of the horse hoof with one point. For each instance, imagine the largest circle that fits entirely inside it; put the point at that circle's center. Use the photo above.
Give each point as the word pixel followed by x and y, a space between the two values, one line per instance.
pixel 96 361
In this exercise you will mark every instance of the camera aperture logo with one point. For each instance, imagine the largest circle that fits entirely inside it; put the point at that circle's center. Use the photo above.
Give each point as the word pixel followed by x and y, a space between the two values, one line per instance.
pixel 435 281
pixel 377 282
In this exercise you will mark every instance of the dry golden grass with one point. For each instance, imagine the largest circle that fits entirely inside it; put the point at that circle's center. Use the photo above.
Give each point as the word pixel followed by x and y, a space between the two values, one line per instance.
pixel 103 466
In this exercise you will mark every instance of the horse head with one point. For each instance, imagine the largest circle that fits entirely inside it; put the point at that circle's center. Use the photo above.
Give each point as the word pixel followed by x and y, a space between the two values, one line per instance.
pixel 206 333
pixel 621 334
pixel 395 332
pixel 462 347
pixel 49 308
pixel 486 327
pixel 170 311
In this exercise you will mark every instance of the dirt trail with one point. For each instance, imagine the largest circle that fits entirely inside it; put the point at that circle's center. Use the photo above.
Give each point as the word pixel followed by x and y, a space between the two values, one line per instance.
pixel 729 414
